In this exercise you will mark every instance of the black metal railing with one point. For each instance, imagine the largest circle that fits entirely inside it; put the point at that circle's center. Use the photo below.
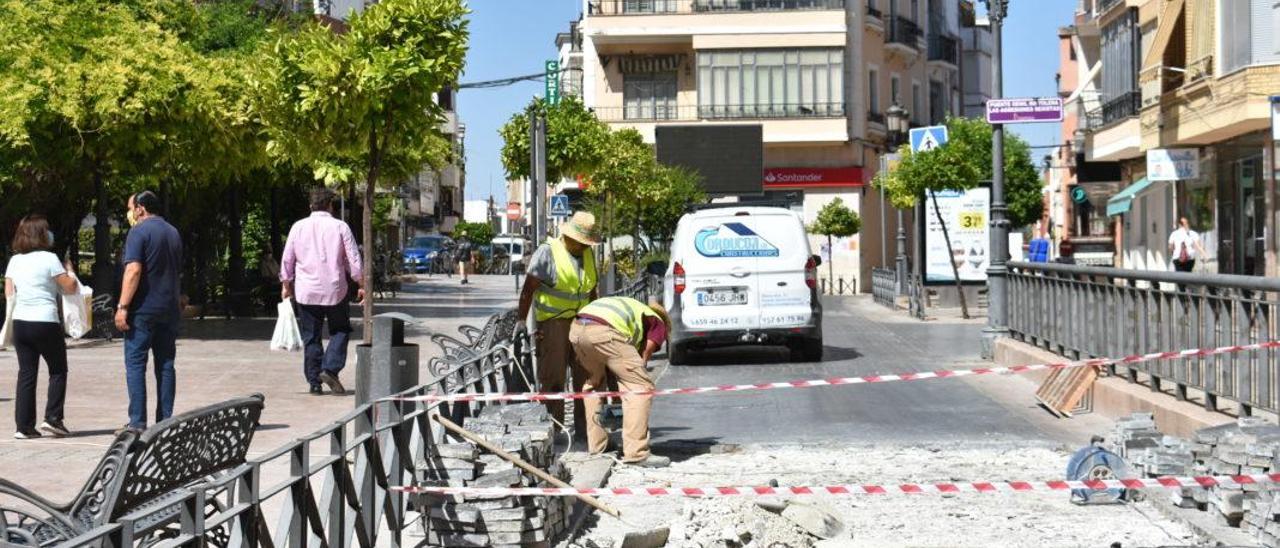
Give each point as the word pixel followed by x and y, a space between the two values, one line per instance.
pixel 1087 312
pixel 873 12
pixel 662 7
pixel 876 117
pixel 1104 5
pixel 904 31
pixel 944 48
pixel 1127 105
pixel 884 287
pixel 339 488
pixel 719 112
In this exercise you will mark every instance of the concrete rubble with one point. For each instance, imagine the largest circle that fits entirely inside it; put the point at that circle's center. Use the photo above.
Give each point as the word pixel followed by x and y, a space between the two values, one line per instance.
pixel 1251 445
pixel 500 521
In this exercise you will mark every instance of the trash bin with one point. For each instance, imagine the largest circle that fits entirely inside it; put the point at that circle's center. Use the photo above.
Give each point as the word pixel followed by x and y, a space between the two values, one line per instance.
pixel 388 365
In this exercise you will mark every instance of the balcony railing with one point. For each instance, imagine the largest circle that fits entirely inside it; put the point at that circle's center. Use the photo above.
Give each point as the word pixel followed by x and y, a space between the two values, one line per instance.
pixel 718 112
pixel 944 48
pixel 904 31
pixel 873 12
pixel 1126 105
pixel 875 117
pixel 662 7
pixel 1104 5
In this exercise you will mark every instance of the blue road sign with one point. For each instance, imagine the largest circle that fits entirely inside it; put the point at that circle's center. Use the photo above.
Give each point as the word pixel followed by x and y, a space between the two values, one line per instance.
pixel 560 206
pixel 924 139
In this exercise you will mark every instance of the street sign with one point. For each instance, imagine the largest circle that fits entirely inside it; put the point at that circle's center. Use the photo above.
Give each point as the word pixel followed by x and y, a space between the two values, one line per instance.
pixel 560 206
pixel 1078 195
pixel 924 139
pixel 513 211
pixel 1024 110
pixel 552 78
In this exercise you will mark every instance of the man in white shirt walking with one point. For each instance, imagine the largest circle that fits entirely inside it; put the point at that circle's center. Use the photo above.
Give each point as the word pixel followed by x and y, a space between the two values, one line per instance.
pixel 1185 246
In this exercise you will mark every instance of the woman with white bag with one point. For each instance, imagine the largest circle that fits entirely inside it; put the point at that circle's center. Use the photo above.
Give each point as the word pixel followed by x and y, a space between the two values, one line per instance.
pixel 32 281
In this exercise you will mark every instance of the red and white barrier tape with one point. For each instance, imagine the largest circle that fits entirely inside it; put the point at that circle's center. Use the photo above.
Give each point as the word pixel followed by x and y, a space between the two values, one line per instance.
pixel 903 489
pixel 838 381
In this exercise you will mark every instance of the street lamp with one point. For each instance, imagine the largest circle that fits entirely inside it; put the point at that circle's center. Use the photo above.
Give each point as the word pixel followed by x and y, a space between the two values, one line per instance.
pixel 998 271
pixel 898 121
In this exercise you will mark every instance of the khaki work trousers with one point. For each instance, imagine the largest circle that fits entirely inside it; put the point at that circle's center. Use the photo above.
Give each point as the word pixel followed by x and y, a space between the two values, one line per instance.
pixel 556 359
pixel 602 350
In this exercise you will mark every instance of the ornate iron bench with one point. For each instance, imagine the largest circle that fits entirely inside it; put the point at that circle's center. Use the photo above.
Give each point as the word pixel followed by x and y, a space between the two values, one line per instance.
pixel 496 331
pixel 143 474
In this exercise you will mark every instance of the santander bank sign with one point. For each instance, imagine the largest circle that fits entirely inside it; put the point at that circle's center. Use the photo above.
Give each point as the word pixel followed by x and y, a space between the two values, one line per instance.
pixel 811 177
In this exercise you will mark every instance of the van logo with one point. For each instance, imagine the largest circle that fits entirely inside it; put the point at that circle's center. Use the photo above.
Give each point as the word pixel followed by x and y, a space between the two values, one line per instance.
pixel 732 240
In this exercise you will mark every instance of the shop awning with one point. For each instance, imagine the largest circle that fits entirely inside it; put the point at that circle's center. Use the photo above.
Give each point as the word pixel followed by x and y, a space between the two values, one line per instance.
pixel 1164 34
pixel 1119 204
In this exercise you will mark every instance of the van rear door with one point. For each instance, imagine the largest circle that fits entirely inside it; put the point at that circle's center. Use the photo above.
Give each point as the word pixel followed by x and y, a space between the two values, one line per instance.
pixel 784 298
pixel 720 272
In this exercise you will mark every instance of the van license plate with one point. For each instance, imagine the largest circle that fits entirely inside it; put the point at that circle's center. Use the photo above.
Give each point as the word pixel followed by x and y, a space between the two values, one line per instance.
pixel 722 296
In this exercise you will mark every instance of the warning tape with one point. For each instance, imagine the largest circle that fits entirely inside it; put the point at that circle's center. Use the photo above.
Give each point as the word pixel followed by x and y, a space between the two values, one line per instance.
pixel 1169 482
pixel 838 381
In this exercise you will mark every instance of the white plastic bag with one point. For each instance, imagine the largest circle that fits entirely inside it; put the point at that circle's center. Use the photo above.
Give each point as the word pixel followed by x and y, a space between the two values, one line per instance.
pixel 287 336
pixel 75 312
pixel 6 332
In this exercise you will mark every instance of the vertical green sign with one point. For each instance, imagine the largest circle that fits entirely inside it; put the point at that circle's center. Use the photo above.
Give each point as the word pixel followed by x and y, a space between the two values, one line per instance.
pixel 552 77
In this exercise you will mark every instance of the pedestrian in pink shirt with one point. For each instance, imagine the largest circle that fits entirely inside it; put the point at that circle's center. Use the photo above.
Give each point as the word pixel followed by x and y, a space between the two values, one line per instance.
pixel 320 259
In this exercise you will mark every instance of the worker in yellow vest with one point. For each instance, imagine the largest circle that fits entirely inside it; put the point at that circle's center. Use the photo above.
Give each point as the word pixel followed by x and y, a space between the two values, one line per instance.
pixel 618 335
pixel 559 281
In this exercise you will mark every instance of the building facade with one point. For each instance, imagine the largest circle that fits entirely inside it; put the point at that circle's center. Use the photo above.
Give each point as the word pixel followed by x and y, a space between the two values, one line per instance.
pixel 1193 77
pixel 817 75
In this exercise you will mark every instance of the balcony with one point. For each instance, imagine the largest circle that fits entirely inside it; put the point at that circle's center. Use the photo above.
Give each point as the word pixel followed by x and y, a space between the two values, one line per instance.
pixel 1104 5
pixel 873 12
pixel 903 33
pixel 665 7
pixel 876 117
pixel 1127 105
pixel 944 49
pixel 662 113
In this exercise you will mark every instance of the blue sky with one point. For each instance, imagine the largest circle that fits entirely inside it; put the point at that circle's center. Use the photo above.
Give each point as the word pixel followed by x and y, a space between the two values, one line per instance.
pixel 514 37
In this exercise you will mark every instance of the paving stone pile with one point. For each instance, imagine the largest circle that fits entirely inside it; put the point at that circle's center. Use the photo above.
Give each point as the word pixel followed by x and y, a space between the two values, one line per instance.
pixel 1250 445
pixel 522 429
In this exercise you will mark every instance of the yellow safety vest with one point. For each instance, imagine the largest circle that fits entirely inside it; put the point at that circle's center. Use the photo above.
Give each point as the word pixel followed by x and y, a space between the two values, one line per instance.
pixel 624 314
pixel 573 287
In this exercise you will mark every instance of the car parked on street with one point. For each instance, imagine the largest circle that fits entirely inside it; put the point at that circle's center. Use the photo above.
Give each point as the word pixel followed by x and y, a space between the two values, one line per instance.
pixel 423 250
pixel 742 274
pixel 516 248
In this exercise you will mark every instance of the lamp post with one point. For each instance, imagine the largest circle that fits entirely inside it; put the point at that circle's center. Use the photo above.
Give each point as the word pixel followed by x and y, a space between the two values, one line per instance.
pixel 998 271
pixel 897 120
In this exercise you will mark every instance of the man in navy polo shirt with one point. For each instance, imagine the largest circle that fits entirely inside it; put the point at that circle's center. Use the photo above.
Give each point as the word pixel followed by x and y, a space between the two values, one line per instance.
pixel 148 312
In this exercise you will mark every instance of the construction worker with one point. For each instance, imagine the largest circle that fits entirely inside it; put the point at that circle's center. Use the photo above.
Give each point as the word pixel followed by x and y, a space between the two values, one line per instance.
pixel 559 281
pixel 618 335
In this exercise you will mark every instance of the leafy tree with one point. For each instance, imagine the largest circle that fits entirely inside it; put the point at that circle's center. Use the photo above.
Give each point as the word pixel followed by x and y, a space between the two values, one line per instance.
pixel 363 102
pixel 960 165
pixel 643 196
pixel 476 233
pixel 835 220
pixel 577 142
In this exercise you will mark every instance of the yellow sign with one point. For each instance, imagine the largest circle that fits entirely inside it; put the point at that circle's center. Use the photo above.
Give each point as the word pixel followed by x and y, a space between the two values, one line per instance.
pixel 972 220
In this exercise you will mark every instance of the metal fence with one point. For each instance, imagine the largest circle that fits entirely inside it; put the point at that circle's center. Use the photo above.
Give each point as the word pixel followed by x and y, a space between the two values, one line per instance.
pixel 1084 312
pixel 659 112
pixel 337 492
pixel 884 286
pixel 663 7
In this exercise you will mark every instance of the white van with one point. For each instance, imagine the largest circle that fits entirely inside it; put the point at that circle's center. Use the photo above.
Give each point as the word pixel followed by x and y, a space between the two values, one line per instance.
pixel 516 247
pixel 743 275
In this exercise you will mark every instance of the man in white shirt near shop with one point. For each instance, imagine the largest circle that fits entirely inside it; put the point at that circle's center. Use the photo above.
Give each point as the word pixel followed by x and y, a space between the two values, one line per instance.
pixel 1185 246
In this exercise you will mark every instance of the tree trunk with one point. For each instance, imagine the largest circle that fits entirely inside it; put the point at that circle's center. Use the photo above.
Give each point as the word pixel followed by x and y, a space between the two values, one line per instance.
pixel 375 159
pixel 831 267
pixel 955 269
pixel 103 263
pixel 274 224
pixel 237 293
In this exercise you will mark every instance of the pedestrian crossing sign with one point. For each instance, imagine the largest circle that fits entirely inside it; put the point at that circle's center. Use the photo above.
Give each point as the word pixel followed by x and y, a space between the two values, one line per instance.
pixel 560 206
pixel 924 139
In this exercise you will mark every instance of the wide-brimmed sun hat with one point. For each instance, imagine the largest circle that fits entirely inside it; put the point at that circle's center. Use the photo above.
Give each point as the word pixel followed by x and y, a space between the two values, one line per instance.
pixel 581 227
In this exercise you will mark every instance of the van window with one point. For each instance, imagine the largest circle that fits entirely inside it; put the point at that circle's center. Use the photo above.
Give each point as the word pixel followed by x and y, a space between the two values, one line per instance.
pixel 755 236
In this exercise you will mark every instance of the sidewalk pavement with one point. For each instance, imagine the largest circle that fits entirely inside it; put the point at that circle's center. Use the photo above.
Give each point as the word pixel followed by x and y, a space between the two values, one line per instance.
pixel 218 360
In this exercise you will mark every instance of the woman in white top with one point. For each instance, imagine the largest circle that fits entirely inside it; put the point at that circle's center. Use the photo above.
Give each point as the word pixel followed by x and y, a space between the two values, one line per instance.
pixel 32 280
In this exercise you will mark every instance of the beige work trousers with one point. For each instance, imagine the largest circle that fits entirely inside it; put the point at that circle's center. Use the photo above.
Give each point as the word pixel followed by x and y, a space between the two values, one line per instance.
pixel 555 359
pixel 601 350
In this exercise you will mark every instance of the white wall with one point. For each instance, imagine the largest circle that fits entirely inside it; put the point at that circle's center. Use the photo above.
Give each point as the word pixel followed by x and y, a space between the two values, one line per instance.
pixel 1147 227
pixel 846 252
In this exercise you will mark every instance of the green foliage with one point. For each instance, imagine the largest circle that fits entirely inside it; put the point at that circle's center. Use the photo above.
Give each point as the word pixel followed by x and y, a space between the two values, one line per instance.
pixel 961 164
pixel 476 233
pixel 836 220
pixel 577 142
pixel 644 196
